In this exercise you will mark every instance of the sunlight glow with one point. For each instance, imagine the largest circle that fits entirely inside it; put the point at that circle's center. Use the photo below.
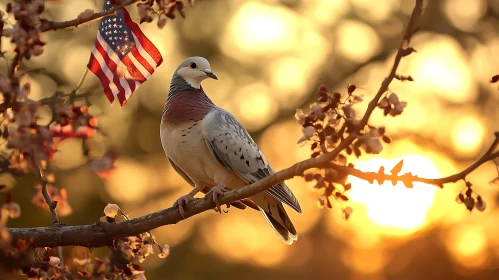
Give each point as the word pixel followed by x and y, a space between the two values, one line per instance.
pixel 129 181
pixel 467 244
pixel 357 41
pixel 379 12
pixel 397 207
pixel 259 28
pixel 243 237
pixel 441 68
pixel 255 107
pixel 325 12
pixel 289 77
pixel 467 135
pixel 464 14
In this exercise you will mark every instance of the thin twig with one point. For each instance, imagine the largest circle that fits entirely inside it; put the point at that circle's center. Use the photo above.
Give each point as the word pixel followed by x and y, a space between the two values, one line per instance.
pixel 14 64
pixel 76 90
pixel 439 182
pixel 61 256
pixel 51 204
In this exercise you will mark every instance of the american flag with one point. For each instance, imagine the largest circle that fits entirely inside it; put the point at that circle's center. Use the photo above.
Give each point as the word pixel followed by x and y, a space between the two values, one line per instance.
pixel 122 57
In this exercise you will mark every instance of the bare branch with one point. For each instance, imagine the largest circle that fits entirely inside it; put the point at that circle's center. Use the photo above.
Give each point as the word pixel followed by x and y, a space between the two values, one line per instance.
pixel 53 25
pixel 51 204
pixel 102 234
pixel 14 64
pixel 408 177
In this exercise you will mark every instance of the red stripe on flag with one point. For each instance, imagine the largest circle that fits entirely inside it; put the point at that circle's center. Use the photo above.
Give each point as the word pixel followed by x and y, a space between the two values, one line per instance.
pixel 132 69
pixel 142 60
pixel 146 44
pixel 110 63
pixel 95 67
pixel 131 84
pixel 121 93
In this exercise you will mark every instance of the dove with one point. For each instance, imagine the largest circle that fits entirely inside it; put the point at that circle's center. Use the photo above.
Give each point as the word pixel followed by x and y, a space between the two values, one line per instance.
pixel 210 149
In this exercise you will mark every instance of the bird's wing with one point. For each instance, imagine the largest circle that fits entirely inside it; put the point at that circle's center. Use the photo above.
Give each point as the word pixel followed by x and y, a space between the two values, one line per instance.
pixel 232 146
pixel 240 204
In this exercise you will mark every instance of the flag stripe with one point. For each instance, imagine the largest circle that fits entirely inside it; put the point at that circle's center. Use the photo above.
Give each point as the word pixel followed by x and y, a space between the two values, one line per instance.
pixel 104 67
pixel 141 38
pixel 123 89
pixel 112 56
pixel 101 56
pixel 133 86
pixel 150 68
pixel 146 55
pixel 133 69
pixel 95 67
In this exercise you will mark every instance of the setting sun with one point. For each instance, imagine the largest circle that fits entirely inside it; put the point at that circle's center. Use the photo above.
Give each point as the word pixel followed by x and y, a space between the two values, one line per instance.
pixel 398 209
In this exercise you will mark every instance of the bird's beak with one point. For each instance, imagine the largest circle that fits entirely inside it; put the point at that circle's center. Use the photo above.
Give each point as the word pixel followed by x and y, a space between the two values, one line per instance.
pixel 210 74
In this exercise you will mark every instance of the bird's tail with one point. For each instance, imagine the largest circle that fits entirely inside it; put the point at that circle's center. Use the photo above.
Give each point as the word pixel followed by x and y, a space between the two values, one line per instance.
pixel 273 211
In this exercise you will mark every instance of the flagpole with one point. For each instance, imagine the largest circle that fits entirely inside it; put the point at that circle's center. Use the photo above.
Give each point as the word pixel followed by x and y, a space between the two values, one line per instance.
pixel 78 86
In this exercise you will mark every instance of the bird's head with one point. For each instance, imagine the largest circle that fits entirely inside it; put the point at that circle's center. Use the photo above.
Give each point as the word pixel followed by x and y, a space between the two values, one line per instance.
pixel 194 70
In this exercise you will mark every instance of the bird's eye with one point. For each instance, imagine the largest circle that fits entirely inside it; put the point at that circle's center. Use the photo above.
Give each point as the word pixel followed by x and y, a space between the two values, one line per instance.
pixel 193 65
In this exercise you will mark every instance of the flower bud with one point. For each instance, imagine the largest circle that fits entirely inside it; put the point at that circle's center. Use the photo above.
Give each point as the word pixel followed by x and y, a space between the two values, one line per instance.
pixel 111 210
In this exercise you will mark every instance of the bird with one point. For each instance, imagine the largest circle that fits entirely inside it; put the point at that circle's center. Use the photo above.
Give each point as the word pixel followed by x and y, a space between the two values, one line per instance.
pixel 212 151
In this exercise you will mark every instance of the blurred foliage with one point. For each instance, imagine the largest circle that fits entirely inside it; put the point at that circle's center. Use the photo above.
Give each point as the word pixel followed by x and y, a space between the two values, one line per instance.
pixel 270 57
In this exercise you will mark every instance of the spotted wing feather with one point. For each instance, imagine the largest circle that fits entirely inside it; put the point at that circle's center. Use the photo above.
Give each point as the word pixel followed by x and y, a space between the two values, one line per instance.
pixel 232 146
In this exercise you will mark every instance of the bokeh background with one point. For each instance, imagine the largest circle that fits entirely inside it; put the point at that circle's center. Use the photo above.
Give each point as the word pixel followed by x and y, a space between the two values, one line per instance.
pixel 270 57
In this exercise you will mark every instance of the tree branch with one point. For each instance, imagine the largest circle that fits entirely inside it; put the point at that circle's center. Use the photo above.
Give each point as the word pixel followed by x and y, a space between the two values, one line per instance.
pixel 47 25
pixel 408 178
pixel 54 25
pixel 103 234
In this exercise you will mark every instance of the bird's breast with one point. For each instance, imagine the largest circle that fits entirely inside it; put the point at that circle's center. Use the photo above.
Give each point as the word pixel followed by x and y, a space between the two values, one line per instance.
pixel 185 145
pixel 180 140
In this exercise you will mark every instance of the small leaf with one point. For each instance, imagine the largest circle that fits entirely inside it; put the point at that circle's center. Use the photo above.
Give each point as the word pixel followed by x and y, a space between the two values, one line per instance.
pixel 460 198
pixel 351 88
pixel 396 170
pixel 494 182
pixel 347 211
pixel 469 202
pixel 314 145
pixel 408 51
pixel 480 205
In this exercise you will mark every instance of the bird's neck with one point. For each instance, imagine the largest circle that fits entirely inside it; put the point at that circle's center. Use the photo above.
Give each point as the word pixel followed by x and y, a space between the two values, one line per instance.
pixel 185 103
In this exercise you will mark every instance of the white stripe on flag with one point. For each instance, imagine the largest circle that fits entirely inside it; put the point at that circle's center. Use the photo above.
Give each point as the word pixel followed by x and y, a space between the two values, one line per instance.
pixel 112 55
pixel 128 94
pixel 125 85
pixel 144 53
pixel 106 71
pixel 139 66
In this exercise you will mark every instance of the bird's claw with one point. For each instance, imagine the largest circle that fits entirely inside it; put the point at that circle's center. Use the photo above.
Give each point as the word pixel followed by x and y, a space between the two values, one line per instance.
pixel 181 202
pixel 215 192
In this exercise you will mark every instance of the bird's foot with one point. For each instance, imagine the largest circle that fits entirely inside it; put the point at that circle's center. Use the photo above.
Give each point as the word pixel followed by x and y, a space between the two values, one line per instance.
pixel 181 202
pixel 215 192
